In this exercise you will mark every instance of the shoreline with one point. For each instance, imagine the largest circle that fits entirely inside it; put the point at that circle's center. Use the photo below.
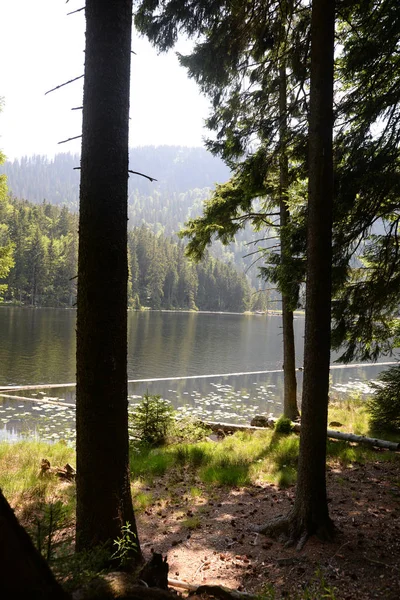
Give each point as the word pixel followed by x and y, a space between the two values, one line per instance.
pixel 266 313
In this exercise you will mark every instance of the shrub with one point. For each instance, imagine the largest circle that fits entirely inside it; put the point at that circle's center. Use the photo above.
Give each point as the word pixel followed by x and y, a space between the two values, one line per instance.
pixel 384 404
pixel 283 425
pixel 151 420
pixel 188 430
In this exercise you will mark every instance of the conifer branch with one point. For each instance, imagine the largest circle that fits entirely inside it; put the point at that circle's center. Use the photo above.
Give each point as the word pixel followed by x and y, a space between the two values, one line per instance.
pixel 142 175
pixel 62 85
pixel 70 139
pixel 75 11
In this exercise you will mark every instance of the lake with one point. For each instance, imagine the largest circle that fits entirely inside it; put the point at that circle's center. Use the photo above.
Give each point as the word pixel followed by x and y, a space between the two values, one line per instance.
pixel 218 366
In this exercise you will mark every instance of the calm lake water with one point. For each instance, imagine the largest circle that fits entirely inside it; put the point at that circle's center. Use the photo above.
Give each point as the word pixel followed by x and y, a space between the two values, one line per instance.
pixel 209 365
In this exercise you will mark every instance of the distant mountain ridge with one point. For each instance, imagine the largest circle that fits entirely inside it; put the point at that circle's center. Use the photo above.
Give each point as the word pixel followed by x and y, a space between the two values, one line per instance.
pixel 185 179
pixel 177 170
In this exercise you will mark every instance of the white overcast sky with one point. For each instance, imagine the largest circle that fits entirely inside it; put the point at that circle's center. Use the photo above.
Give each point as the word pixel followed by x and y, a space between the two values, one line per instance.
pixel 41 47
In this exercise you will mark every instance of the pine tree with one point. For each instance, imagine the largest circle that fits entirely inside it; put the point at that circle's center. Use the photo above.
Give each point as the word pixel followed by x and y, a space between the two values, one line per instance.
pixel 104 502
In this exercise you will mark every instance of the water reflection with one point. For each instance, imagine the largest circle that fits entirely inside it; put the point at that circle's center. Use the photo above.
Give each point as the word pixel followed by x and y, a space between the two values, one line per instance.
pixel 223 398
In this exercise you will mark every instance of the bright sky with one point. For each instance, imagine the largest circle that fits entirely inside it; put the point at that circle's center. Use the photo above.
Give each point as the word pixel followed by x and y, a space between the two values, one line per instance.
pixel 41 47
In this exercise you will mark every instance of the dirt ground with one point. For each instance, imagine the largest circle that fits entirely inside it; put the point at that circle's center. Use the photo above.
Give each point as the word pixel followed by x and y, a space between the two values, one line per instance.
pixel 208 539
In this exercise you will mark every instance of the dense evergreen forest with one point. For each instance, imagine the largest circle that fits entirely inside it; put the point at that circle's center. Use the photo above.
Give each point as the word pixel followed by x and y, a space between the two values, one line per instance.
pixel 44 241
pixel 185 179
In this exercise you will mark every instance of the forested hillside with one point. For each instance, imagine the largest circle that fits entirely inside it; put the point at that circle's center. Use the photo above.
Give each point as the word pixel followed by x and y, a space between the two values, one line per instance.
pixel 176 169
pixel 185 179
pixel 44 241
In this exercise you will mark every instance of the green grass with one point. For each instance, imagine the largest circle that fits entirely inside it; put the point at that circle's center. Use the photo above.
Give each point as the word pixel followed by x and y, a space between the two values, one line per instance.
pixel 352 413
pixel 20 466
pixel 192 523
pixel 148 464
pixel 142 500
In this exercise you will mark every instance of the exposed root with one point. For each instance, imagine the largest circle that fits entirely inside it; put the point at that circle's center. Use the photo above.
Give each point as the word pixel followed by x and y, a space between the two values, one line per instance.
pixel 276 527
pixel 292 530
pixel 302 541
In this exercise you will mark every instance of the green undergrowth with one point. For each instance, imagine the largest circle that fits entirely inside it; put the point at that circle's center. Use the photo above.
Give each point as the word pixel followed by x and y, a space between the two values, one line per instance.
pixel 244 458
pixel 354 415
pixel 351 412
pixel 165 474
pixel 20 466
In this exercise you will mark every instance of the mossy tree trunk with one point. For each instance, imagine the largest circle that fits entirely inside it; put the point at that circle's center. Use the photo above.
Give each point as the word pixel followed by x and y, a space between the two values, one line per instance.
pixel 104 500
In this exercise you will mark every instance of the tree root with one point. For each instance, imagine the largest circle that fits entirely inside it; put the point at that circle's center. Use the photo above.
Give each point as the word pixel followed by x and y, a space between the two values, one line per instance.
pixel 292 530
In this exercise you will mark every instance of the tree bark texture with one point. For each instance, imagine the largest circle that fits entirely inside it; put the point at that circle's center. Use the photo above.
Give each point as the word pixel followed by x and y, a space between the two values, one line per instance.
pixel 104 500
pixel 311 508
pixel 24 572
pixel 290 409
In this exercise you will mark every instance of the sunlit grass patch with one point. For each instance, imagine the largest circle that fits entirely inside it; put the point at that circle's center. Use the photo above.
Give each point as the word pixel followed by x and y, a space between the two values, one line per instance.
pixel 150 462
pixel 192 523
pixel 227 473
pixel 142 500
pixel 195 492
pixel 20 469
pixel 351 412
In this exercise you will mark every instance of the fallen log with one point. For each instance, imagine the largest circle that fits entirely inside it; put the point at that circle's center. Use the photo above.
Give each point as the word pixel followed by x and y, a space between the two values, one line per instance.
pixel 228 428
pixel 66 472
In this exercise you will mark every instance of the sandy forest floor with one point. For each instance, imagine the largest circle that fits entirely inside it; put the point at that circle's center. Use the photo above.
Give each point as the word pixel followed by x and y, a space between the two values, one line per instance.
pixel 207 536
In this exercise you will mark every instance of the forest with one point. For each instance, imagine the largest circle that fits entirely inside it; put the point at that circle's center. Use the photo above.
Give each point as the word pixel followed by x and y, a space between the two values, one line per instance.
pixel 43 254
pixel 305 113
pixel 185 178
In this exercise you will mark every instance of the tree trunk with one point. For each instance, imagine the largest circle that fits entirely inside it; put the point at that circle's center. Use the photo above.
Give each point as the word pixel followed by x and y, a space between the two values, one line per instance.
pixel 24 572
pixel 290 409
pixel 310 511
pixel 104 500
pixel 310 514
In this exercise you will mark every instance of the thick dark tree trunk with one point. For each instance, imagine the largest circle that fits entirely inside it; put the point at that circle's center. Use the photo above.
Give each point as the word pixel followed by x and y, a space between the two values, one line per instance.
pixel 310 511
pixel 289 353
pixel 104 501
pixel 24 572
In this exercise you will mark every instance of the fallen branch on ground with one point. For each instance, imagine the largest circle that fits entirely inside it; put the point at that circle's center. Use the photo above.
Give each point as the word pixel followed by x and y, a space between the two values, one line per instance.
pixel 336 435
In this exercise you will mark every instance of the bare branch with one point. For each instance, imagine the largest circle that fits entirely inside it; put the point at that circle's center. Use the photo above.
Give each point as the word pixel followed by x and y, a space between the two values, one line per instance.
pixel 75 11
pixel 77 108
pixel 261 250
pixel 261 240
pixel 70 139
pixel 132 52
pixel 76 169
pixel 142 175
pixel 62 85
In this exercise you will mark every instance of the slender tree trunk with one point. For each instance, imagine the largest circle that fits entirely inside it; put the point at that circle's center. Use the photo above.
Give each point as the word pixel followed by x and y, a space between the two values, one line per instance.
pixel 310 514
pixel 104 500
pixel 290 409
pixel 311 508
